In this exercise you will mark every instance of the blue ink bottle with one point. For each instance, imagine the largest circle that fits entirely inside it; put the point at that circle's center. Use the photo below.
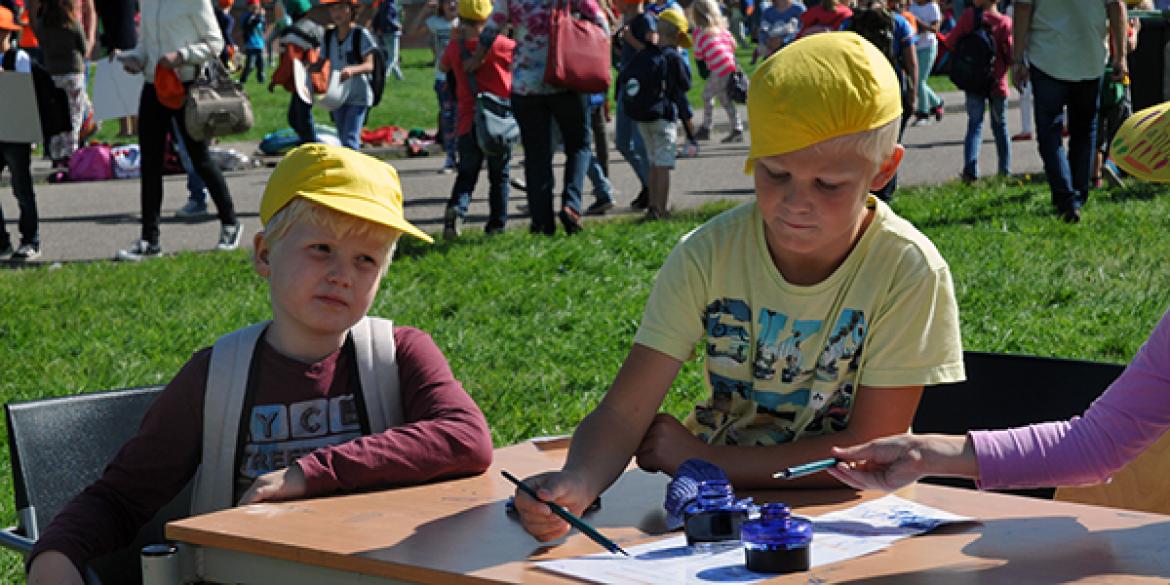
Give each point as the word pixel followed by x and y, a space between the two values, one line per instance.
pixel 777 541
pixel 712 522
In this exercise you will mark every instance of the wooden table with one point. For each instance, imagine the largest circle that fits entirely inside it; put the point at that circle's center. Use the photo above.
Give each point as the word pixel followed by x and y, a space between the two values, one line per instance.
pixel 458 530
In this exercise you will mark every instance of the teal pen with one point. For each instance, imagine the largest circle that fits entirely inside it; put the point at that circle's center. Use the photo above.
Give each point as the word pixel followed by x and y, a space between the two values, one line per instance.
pixel 805 469
pixel 568 516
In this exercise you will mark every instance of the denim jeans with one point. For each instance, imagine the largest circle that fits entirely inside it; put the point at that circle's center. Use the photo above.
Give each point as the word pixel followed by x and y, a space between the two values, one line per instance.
pixel 349 119
pixel 535 114
pixel 17 158
pixel 154 122
pixel 629 143
pixel 196 188
pixel 445 94
pixel 974 138
pixel 471 159
pixel 390 43
pixel 300 119
pixel 1068 175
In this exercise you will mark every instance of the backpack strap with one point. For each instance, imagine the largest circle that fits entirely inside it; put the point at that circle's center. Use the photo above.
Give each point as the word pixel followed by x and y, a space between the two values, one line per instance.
pixel 9 62
pixel 227 388
pixel 355 54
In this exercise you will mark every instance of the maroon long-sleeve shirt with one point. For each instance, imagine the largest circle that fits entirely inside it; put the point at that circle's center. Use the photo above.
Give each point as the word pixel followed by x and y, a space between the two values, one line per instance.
pixel 299 412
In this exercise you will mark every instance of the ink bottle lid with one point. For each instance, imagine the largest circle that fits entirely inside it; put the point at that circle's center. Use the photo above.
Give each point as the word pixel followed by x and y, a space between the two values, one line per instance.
pixel 715 516
pixel 777 541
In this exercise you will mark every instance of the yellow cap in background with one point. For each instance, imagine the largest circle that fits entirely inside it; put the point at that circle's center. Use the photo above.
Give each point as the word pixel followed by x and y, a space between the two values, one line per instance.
pixel 475 9
pixel 819 87
pixel 341 179
pixel 674 15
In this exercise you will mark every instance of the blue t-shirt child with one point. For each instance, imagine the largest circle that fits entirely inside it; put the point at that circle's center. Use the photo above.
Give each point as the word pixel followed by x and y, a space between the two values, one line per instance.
pixel 254 31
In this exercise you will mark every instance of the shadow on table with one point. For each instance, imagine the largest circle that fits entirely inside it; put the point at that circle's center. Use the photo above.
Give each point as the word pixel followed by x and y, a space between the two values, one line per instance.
pixel 1047 550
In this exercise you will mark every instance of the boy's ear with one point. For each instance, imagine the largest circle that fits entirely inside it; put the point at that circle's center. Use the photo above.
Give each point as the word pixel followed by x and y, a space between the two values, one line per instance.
pixel 260 252
pixel 888 168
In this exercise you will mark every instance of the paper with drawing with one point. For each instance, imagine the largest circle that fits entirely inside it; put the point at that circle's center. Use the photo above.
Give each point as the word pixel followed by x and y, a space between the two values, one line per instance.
pixel 856 531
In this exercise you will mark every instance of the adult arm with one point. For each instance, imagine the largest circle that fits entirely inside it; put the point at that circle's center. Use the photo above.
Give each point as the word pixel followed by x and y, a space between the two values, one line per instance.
pixel 446 434
pixel 146 474
pixel 208 44
pixel 88 18
pixel 1118 28
pixel 1021 28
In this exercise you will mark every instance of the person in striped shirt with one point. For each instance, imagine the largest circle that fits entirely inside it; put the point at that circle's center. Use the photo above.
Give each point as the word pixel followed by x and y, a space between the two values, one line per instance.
pixel 715 47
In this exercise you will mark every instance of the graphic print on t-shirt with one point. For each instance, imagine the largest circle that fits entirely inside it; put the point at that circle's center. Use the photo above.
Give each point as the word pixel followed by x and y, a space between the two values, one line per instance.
pixel 799 379
pixel 279 434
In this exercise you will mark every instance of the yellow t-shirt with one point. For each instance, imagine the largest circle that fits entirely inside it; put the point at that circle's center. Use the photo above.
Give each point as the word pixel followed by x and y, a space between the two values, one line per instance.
pixel 782 361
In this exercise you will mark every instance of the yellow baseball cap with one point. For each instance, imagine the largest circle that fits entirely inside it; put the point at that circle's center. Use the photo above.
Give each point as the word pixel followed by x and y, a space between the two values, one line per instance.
pixel 819 87
pixel 475 9
pixel 341 179
pixel 677 19
pixel 1140 145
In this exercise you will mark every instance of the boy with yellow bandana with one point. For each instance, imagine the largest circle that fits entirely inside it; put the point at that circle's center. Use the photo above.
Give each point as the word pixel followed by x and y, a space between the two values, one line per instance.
pixel 822 314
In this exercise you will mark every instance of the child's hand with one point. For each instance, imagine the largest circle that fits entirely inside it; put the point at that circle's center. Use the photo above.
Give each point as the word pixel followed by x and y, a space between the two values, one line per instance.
pixel 53 568
pixel 286 484
pixel 561 487
pixel 667 444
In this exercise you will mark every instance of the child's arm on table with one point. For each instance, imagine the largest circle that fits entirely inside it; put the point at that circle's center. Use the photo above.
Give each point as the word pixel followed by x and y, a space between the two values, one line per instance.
pixel 603 443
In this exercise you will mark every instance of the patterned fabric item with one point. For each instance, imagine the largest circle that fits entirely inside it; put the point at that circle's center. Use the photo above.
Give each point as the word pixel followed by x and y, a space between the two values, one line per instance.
pixel 529 20
pixel 716 48
pixel 62 146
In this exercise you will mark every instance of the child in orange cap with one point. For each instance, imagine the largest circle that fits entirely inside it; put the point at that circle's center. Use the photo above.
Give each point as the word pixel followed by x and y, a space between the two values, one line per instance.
pixel 305 384
pixel 17 158
pixel 814 257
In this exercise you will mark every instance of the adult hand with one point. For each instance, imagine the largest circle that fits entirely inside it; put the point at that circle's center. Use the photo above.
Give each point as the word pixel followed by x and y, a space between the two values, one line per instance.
pixel 285 484
pixel 53 568
pixel 1020 76
pixel 171 60
pixel 667 444
pixel 1120 69
pixel 890 463
pixel 562 487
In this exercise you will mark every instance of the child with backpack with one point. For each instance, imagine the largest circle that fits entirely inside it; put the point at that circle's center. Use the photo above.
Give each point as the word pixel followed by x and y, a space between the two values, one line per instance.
pixel 981 51
pixel 388 28
pixel 493 77
pixel 17 158
pixel 254 41
pixel 652 86
pixel 350 49
pixel 715 47
pixel 322 399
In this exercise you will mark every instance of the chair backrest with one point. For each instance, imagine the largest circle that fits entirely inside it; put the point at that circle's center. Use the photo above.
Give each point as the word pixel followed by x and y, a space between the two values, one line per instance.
pixel 1140 485
pixel 58 446
pixel 1004 390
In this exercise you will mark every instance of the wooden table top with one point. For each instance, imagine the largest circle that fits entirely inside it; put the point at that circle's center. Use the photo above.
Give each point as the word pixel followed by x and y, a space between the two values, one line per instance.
pixel 431 533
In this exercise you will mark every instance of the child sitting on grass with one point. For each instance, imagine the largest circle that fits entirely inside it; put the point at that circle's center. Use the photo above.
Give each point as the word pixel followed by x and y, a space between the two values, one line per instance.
pixel 333 400
pixel 814 256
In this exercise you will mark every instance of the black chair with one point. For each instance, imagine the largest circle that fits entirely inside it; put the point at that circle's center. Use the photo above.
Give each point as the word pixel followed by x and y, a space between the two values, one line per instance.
pixel 1005 391
pixel 57 447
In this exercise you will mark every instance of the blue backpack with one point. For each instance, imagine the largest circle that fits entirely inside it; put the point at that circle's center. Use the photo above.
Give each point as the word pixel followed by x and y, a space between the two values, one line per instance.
pixel 641 86
pixel 973 60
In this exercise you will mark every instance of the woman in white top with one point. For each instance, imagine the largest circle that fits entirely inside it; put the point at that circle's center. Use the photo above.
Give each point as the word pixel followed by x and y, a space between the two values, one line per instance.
pixel 929 17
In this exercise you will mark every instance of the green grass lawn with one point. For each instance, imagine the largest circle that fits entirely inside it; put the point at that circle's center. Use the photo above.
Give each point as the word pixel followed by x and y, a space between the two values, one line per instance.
pixel 536 328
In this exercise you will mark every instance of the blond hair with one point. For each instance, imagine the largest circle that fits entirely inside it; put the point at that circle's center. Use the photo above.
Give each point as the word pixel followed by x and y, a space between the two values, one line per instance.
pixel 341 224
pixel 706 15
pixel 874 145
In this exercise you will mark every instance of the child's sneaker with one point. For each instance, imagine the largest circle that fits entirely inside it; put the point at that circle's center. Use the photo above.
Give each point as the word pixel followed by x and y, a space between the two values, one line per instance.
pixel 452 224
pixel 26 252
pixel 735 136
pixel 703 134
pixel 600 206
pixel 141 250
pixel 229 237
pixel 641 201
pixel 1112 173
pixel 570 219
pixel 192 209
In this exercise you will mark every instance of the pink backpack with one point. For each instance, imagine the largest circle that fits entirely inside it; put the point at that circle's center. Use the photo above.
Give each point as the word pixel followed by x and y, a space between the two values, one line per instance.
pixel 92 163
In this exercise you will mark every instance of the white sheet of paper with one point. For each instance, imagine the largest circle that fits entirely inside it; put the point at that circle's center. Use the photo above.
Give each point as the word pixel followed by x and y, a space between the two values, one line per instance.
pixel 860 530
pixel 18 94
pixel 115 92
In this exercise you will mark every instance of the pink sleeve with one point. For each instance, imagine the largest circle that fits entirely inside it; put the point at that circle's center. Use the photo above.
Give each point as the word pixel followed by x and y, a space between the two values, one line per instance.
pixel 446 435
pixel 1130 416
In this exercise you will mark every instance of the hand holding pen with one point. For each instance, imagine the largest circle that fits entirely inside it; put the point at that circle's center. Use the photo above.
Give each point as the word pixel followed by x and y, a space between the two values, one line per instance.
pixel 544 518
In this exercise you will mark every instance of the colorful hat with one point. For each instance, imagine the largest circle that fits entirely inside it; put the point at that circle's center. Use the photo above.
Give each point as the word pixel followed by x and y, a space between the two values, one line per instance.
pixel 819 87
pixel 7 22
pixel 475 9
pixel 1141 146
pixel 674 15
pixel 341 179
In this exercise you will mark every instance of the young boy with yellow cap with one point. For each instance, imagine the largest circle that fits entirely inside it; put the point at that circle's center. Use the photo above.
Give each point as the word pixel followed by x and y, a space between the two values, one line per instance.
pixel 813 257
pixel 493 77
pixel 327 398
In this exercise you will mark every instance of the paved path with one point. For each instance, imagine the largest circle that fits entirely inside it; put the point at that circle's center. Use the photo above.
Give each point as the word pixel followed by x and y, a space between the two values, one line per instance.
pixel 90 221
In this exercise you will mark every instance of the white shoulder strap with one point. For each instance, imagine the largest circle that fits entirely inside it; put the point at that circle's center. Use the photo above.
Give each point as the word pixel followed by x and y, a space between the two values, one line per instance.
pixel 377 365
pixel 223 403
